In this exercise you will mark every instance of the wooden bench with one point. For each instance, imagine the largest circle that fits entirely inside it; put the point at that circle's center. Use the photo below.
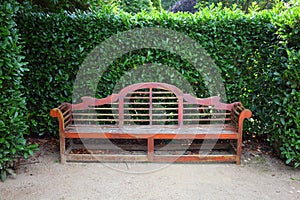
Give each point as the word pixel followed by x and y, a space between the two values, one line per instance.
pixel 151 122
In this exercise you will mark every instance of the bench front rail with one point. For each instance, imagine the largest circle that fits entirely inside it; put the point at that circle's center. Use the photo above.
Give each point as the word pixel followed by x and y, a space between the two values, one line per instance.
pixel 151 112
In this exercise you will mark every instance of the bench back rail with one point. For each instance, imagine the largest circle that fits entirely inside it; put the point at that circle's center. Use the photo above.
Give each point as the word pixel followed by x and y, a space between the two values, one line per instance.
pixel 151 104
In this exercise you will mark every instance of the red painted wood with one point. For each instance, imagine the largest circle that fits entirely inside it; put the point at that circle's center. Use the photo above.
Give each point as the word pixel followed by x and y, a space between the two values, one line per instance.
pixel 146 136
pixel 121 112
pixel 211 101
pixel 150 106
pixel 180 111
pixel 87 127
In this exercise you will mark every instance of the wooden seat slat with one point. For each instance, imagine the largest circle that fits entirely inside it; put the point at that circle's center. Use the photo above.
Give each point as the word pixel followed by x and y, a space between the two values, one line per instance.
pixel 68 117
pixel 143 103
pixel 153 129
pixel 67 112
pixel 152 109
pixel 130 93
pixel 153 119
pixel 197 108
pixel 148 120
pixel 208 120
pixel 206 114
pixel 94 114
pixel 68 121
pixel 165 115
pixel 95 108
pixel 154 98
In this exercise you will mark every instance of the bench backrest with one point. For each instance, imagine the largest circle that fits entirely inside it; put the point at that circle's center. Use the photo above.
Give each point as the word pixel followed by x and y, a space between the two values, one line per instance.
pixel 151 103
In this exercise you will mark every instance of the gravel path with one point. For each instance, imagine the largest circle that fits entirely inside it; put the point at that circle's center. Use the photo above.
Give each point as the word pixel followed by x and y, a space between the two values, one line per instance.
pixel 257 178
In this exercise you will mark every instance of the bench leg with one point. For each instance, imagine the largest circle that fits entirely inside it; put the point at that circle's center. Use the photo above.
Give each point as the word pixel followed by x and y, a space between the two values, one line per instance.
pixel 239 151
pixel 62 149
pixel 150 149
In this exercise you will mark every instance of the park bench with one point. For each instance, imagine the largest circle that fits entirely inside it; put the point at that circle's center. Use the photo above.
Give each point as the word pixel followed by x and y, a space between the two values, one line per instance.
pixel 151 122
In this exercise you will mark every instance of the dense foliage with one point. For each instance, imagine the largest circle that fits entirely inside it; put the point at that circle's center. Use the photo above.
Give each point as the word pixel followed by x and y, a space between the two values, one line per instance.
pixel 256 53
pixel 56 6
pixel 167 4
pixel 135 6
pixel 184 6
pixel 193 6
pixel 245 5
pixel 13 119
pixel 286 124
pixel 157 4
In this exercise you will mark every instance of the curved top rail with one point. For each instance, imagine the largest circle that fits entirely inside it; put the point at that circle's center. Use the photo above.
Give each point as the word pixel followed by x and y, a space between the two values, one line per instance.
pixel 210 101
pixel 146 85
pixel 215 100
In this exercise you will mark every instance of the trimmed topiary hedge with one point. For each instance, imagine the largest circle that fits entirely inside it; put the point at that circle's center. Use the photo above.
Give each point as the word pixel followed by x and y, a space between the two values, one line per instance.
pixel 253 53
pixel 13 117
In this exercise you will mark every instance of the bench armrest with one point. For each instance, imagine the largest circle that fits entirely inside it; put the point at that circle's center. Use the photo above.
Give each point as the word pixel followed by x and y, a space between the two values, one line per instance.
pixel 63 113
pixel 239 114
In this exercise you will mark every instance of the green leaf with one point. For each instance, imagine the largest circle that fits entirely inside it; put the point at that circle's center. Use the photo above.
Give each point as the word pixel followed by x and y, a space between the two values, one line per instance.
pixel 282 121
pixel 288 160
pixel 3 175
pixel 295 179
pixel 13 151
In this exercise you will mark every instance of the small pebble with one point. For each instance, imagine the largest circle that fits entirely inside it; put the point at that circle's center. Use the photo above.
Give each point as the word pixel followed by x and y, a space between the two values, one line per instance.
pixel 254 155
pixel 291 192
pixel 298 191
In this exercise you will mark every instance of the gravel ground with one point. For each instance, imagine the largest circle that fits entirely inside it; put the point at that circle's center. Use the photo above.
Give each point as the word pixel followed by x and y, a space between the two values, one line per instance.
pixel 259 177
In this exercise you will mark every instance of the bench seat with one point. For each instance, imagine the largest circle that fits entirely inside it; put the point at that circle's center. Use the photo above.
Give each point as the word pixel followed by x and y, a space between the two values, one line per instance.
pixel 167 132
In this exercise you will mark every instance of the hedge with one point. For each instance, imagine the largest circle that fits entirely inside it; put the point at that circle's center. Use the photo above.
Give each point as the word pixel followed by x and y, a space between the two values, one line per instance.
pixel 253 51
pixel 135 6
pixel 13 119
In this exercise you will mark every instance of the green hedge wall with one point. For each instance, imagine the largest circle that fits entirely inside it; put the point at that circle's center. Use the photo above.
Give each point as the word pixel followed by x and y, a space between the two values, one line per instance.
pixel 135 6
pixel 13 119
pixel 286 123
pixel 252 52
